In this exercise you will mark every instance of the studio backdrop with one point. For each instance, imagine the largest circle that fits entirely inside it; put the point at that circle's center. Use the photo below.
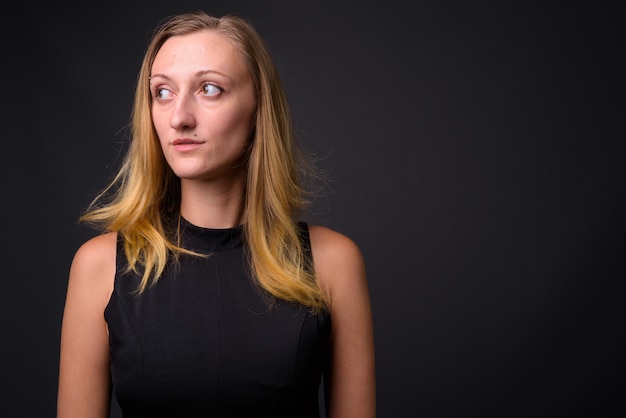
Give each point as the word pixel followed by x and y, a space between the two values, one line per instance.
pixel 474 152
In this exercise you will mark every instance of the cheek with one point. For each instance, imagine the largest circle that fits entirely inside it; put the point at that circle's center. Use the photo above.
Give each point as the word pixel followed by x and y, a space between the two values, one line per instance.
pixel 161 127
pixel 236 126
pixel 159 122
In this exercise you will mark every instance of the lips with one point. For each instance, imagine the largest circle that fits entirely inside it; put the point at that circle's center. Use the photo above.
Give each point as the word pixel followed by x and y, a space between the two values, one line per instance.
pixel 185 141
pixel 186 144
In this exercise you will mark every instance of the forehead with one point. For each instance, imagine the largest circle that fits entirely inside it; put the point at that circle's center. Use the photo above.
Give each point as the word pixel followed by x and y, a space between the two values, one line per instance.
pixel 199 51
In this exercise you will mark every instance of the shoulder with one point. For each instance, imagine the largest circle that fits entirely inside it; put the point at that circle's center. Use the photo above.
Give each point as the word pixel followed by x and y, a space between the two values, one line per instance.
pixel 330 246
pixel 97 252
pixel 93 266
pixel 340 270
pixel 338 261
pixel 84 366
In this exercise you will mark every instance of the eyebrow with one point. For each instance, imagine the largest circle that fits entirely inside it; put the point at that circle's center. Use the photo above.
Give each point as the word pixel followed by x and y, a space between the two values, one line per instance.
pixel 197 74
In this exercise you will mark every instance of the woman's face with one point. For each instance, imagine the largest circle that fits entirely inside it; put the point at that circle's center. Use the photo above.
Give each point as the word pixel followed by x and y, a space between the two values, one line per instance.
pixel 203 106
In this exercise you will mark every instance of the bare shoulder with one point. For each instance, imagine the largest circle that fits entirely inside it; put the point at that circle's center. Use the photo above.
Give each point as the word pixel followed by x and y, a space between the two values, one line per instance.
pixel 338 261
pixel 327 242
pixel 340 269
pixel 330 246
pixel 93 265
pixel 84 376
pixel 97 252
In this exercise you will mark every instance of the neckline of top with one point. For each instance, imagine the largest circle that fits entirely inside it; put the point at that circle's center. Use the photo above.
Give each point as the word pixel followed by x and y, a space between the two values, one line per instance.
pixel 202 239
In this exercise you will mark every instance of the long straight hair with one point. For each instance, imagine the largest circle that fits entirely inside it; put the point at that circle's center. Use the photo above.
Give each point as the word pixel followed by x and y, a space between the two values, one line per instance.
pixel 143 199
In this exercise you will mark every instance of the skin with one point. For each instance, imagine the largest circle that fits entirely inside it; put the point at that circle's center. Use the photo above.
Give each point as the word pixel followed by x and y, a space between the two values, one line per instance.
pixel 204 96
pixel 203 108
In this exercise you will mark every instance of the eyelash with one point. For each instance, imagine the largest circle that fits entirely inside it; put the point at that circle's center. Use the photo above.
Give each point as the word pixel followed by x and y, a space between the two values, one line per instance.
pixel 157 90
pixel 205 85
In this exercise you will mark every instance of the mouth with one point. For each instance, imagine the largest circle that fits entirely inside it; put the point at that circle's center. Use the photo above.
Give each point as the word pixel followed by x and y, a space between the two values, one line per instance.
pixel 185 141
pixel 186 144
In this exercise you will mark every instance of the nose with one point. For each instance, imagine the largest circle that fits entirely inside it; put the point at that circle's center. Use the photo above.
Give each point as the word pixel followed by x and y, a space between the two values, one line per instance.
pixel 183 116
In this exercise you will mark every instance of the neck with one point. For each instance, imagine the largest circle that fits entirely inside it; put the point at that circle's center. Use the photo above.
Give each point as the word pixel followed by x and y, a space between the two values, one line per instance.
pixel 211 205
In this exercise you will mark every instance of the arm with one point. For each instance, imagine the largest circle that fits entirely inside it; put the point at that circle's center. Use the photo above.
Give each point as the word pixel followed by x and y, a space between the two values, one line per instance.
pixel 350 383
pixel 84 374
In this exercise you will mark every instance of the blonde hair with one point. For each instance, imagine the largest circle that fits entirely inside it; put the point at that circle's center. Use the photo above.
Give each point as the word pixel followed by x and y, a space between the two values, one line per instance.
pixel 144 197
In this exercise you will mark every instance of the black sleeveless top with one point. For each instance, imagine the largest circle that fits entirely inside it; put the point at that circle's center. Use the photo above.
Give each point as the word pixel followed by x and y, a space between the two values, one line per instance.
pixel 206 342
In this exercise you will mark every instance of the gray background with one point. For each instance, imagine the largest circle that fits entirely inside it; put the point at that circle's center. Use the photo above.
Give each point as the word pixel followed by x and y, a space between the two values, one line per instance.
pixel 475 153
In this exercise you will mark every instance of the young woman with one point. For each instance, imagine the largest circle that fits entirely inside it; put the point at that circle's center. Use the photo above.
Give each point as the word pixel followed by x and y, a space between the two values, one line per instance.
pixel 205 296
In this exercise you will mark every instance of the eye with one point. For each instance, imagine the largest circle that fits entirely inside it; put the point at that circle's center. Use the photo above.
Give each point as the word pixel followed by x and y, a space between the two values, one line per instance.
pixel 162 93
pixel 209 89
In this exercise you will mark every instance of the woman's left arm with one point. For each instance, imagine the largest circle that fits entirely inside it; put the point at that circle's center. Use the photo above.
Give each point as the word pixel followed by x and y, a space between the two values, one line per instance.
pixel 350 383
